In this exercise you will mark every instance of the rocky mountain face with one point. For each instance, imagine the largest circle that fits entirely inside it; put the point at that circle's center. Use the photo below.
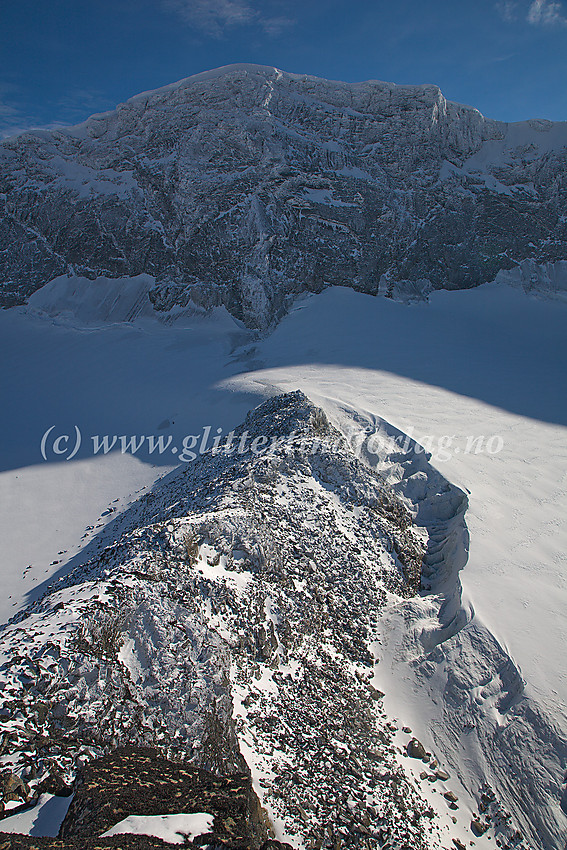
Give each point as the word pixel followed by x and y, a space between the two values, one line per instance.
pixel 246 185
pixel 233 620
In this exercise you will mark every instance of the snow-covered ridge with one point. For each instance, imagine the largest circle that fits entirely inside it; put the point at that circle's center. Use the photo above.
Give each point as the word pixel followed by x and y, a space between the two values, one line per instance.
pixel 546 133
pixel 94 301
pixel 241 612
pixel 267 70
pixel 245 185
pixel 480 715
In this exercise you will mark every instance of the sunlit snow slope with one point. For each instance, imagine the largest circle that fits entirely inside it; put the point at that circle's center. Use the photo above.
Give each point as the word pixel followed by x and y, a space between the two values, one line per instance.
pixel 484 363
pixel 489 362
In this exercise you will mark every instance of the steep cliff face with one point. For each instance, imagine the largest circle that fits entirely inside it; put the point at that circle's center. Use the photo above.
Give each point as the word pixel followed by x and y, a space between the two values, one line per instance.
pixel 245 185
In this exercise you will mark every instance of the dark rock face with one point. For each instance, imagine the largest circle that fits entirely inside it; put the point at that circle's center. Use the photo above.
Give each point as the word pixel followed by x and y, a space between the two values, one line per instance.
pixel 119 842
pixel 132 781
pixel 247 185
pixel 126 842
pixel 140 781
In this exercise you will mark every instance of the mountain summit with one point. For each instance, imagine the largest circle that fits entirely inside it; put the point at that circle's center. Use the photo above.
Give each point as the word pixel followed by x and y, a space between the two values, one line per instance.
pixel 246 185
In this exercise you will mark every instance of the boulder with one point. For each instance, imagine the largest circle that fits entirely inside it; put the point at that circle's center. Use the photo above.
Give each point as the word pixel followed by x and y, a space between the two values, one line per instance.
pixel 56 785
pixel 13 787
pixel 416 750
pixel 141 781
pixel 478 827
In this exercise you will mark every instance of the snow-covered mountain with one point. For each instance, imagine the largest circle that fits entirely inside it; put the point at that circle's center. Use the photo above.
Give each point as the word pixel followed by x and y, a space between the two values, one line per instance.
pixel 245 185
pixel 238 618
pixel 296 611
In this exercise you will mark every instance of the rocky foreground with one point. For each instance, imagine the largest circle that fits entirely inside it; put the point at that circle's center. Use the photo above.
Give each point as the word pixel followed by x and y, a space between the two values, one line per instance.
pixel 134 781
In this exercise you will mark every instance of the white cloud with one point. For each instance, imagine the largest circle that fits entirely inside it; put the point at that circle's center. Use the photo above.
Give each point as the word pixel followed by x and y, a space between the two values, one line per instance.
pixel 12 118
pixel 7 111
pixel 534 12
pixel 213 17
pixel 8 92
pixel 275 26
pixel 508 9
pixel 77 104
pixel 546 13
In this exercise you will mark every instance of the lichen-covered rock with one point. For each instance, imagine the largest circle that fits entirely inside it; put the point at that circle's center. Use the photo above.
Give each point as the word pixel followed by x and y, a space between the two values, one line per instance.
pixel 56 785
pixel 13 788
pixel 13 841
pixel 140 781
pixel 117 842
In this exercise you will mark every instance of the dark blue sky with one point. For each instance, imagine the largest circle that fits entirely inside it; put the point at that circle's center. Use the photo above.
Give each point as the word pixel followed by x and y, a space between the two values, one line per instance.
pixel 65 59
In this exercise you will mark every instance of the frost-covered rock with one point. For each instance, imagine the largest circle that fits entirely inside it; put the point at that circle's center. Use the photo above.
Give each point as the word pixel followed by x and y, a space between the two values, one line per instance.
pixel 246 185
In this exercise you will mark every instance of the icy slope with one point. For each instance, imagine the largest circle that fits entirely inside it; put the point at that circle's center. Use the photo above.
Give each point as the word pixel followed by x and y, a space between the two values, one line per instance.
pixel 100 301
pixel 246 185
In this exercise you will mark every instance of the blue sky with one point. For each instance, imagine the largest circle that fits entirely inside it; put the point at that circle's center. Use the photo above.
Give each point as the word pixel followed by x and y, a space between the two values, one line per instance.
pixel 62 60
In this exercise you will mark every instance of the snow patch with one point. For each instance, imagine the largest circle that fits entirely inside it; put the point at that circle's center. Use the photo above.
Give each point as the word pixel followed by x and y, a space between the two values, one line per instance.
pixel 174 829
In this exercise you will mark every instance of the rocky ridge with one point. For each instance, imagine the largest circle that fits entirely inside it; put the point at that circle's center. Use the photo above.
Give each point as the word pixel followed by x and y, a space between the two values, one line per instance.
pixel 236 623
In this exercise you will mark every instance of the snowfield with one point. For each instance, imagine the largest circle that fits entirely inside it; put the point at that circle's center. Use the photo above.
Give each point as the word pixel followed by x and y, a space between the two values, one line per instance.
pixel 477 377
pixel 485 363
